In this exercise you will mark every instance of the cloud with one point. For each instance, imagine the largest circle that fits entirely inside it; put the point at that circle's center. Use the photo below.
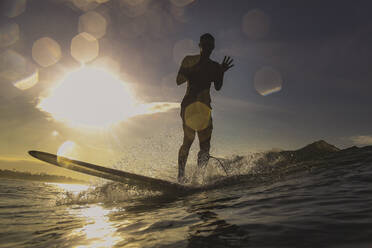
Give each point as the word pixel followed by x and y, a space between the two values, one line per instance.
pixel 362 140
pixel 159 107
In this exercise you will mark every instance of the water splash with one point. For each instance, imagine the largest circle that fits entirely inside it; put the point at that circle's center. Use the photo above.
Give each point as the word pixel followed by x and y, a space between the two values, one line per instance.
pixel 108 192
pixel 232 166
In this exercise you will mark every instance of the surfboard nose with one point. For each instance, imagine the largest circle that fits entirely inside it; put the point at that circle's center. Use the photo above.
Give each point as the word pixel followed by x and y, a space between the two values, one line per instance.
pixel 32 153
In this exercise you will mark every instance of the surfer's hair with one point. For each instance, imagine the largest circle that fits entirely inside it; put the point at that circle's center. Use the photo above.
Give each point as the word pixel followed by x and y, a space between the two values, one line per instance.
pixel 206 37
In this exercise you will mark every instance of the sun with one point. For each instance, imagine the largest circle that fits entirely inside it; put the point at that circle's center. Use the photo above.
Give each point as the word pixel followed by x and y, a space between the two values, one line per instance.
pixel 91 97
pixel 94 97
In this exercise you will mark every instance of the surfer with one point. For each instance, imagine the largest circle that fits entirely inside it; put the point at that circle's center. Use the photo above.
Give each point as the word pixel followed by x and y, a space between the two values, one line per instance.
pixel 199 71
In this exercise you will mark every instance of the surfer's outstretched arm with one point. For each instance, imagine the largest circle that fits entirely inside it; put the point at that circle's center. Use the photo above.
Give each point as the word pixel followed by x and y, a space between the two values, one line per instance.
pixel 225 65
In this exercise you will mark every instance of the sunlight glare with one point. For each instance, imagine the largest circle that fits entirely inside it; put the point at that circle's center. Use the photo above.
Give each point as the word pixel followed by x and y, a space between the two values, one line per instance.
pixel 92 97
pixel 17 70
pixel 98 230
pixel 197 116
pixel 84 47
pixel 46 51
pixel 256 24
pixel 93 23
pixel 66 148
pixel 69 150
pixel 9 34
pixel 85 5
pixel 267 80
pixel 14 8
pixel 28 82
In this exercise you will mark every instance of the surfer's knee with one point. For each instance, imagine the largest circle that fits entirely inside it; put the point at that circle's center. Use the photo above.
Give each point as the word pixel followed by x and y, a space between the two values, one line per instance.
pixel 187 141
pixel 186 146
pixel 205 138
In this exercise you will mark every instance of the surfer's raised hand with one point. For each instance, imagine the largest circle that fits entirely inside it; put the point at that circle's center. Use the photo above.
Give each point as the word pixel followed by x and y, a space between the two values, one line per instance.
pixel 227 63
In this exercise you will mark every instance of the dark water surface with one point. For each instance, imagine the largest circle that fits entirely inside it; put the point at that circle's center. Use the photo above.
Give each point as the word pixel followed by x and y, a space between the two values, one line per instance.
pixel 323 203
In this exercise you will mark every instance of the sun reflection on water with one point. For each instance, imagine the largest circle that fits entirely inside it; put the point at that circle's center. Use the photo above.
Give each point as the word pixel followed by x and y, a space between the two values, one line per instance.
pixel 72 188
pixel 98 231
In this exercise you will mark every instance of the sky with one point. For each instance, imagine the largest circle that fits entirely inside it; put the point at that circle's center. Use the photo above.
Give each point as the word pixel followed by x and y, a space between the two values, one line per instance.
pixel 96 79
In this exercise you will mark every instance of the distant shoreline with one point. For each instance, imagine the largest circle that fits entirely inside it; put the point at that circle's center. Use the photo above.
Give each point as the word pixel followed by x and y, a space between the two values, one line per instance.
pixel 10 174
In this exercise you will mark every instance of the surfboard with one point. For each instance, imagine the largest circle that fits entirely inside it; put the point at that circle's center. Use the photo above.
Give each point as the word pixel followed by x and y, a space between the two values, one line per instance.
pixel 131 179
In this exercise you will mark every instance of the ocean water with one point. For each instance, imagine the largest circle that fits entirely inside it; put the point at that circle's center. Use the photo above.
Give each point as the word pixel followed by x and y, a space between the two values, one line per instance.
pixel 317 203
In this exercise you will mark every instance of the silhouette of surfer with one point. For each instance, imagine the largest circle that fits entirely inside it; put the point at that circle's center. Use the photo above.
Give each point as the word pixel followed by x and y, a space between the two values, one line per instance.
pixel 199 71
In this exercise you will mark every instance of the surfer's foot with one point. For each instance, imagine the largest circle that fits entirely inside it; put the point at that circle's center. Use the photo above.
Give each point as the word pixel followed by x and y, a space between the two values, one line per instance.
pixel 203 159
pixel 181 174
pixel 182 180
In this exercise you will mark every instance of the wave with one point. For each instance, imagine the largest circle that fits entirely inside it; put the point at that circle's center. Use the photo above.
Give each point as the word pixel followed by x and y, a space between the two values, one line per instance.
pixel 251 170
pixel 272 166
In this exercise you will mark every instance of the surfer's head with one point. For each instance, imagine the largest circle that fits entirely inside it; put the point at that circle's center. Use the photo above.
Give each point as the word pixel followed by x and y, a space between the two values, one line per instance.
pixel 206 44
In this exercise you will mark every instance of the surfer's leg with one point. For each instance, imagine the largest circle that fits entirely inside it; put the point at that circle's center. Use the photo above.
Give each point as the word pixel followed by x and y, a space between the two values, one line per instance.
pixel 205 145
pixel 188 138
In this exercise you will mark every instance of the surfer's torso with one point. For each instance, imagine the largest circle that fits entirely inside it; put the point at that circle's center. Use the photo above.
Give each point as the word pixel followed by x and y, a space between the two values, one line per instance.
pixel 200 73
